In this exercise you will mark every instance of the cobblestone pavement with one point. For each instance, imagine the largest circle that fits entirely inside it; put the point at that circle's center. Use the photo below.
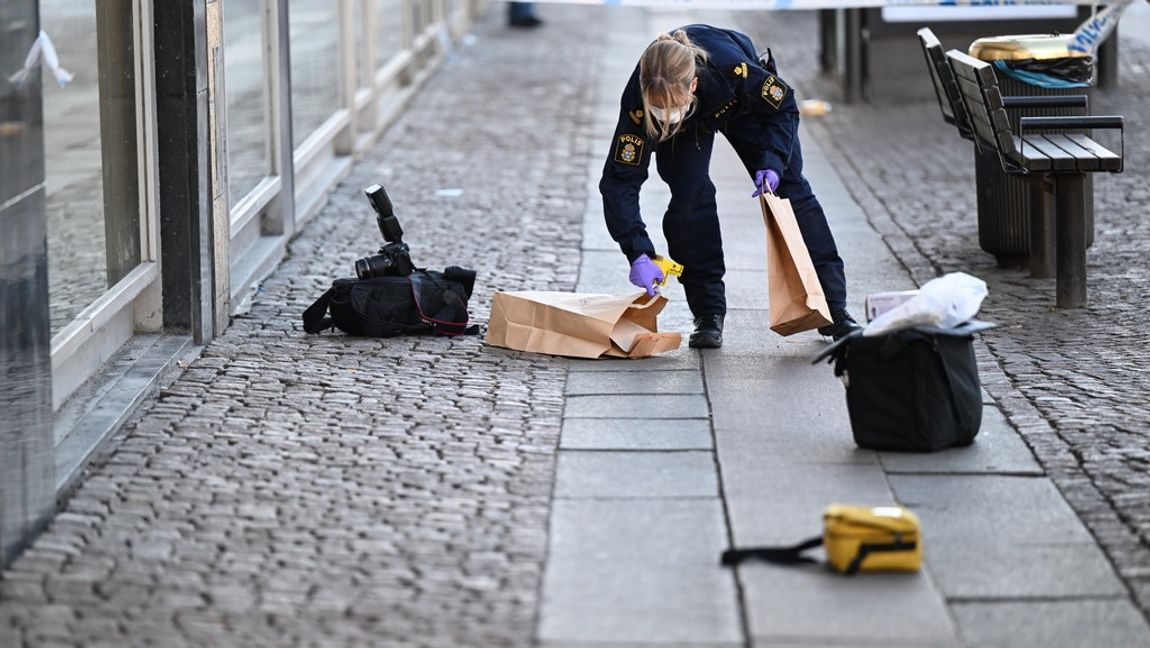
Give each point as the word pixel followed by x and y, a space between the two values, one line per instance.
pixel 292 490
pixel 1077 379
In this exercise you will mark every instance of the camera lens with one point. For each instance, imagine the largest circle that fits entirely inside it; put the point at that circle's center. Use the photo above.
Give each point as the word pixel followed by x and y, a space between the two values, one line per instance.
pixel 372 266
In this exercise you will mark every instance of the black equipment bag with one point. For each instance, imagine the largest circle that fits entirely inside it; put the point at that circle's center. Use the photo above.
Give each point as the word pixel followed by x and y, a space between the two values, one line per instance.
pixel 424 301
pixel 914 390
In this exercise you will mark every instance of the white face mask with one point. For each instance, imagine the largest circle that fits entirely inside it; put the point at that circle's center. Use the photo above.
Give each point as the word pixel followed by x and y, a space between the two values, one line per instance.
pixel 670 115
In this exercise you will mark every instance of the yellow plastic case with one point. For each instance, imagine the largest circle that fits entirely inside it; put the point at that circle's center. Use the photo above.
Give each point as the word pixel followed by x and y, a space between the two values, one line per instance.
pixel 871 538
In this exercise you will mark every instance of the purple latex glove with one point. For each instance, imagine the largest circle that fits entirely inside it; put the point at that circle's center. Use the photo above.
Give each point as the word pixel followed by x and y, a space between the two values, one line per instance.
pixel 645 274
pixel 766 181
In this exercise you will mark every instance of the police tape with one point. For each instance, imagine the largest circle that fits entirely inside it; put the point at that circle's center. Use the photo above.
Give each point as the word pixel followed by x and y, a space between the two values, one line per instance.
pixel 1094 31
pixel 831 4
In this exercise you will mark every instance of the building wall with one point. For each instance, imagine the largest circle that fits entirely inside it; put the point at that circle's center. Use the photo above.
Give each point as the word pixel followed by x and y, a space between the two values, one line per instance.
pixel 154 163
pixel 26 450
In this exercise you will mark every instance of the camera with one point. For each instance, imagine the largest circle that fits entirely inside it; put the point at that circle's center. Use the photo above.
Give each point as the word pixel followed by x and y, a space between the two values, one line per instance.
pixel 393 259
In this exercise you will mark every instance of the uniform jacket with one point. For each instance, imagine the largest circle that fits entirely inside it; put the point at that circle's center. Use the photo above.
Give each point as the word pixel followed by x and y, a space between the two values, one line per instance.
pixel 737 95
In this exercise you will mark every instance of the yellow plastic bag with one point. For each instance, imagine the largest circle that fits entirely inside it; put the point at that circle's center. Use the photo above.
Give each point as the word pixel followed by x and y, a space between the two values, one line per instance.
pixel 871 538
pixel 856 538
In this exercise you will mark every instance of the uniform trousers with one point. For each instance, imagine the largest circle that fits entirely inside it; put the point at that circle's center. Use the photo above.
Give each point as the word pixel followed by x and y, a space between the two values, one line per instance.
pixel 691 222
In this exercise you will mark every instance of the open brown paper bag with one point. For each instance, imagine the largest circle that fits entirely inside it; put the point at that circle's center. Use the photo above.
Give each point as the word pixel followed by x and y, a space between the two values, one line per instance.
pixel 579 324
pixel 797 300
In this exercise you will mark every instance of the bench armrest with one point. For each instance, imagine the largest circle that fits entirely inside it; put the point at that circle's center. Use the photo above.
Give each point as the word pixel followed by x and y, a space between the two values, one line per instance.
pixel 1061 123
pixel 1052 123
pixel 1063 101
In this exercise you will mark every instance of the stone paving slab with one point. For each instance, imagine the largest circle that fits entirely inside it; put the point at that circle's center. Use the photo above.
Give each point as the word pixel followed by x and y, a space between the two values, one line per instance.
pixel 1053 624
pixel 810 604
pixel 654 406
pixel 655 532
pixel 680 359
pixel 640 644
pixel 636 474
pixel 622 602
pixel 770 403
pixel 802 491
pixel 636 434
pixel 604 271
pixel 642 570
pixel 1003 537
pixel 996 449
pixel 746 290
pixel 648 382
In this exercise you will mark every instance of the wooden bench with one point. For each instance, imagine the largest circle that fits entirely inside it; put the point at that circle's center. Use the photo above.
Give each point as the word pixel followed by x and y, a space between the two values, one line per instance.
pixel 1058 162
pixel 1040 210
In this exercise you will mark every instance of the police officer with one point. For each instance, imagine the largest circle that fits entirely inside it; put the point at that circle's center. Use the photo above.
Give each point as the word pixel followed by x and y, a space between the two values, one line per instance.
pixel 688 85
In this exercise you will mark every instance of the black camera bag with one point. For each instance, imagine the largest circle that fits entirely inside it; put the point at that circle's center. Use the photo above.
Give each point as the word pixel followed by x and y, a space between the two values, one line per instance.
pixel 421 302
pixel 914 390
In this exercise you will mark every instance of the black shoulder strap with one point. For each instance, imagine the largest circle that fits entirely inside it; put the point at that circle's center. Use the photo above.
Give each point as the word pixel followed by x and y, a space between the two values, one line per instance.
pixel 780 555
pixel 439 303
pixel 464 276
pixel 867 549
pixel 964 418
pixel 315 318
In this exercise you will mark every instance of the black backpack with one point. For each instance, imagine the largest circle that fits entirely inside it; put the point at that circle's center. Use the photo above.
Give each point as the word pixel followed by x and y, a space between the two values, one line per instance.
pixel 424 301
pixel 915 390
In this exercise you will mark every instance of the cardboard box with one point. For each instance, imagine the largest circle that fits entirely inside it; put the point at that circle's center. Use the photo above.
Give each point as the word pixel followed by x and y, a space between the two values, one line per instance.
pixel 880 302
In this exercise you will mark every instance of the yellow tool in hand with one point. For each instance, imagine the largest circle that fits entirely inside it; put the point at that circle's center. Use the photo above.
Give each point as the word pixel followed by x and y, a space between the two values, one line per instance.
pixel 669 268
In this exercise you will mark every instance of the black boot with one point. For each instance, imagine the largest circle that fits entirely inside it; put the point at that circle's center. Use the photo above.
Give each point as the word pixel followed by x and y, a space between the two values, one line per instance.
pixel 708 332
pixel 843 324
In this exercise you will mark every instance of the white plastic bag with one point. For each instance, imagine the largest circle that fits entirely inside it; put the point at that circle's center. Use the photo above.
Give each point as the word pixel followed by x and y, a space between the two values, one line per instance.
pixel 946 301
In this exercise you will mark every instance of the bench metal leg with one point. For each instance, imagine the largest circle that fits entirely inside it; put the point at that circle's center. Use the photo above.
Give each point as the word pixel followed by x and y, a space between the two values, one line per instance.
pixel 1070 215
pixel 828 41
pixel 853 56
pixel 1042 245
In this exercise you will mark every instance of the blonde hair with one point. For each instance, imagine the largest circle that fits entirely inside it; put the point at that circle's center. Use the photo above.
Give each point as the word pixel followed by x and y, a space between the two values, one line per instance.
pixel 665 72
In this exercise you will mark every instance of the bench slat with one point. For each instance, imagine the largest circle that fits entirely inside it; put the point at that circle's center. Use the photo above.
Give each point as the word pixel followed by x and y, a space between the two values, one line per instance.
pixel 962 70
pixel 998 118
pixel 1107 159
pixel 971 91
pixel 1034 160
pixel 1085 159
pixel 983 129
pixel 1060 160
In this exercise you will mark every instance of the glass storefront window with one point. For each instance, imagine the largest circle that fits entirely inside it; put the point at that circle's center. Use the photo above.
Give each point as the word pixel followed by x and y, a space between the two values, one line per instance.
pixel 90 151
pixel 420 16
pixel 389 26
pixel 314 64
pixel 248 135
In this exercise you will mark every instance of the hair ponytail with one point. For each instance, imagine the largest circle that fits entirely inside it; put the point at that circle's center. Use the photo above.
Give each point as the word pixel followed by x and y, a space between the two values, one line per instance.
pixel 665 72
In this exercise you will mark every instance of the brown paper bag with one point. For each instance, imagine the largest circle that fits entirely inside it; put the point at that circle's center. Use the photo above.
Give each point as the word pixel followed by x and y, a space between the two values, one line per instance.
pixel 580 325
pixel 797 300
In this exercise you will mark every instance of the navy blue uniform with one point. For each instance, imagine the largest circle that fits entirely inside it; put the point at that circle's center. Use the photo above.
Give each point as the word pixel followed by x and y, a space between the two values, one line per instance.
pixel 744 99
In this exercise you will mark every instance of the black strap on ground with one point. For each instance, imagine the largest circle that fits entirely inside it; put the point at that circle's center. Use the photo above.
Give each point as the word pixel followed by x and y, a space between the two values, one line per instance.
pixel 315 317
pixel 791 555
pixel 867 549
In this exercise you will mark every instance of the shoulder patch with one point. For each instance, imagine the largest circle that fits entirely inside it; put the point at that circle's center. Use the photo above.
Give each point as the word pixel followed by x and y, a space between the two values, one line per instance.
pixel 774 91
pixel 629 149
pixel 636 116
pixel 741 70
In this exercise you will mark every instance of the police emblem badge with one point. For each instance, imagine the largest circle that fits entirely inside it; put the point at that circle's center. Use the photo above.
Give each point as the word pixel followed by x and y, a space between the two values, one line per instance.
pixel 774 91
pixel 629 149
